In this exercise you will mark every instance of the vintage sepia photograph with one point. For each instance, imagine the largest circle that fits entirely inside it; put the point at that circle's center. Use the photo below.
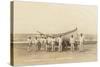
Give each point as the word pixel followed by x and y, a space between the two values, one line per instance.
pixel 52 33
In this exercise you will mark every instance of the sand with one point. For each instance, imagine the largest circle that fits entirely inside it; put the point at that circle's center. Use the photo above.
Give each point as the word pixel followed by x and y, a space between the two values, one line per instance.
pixel 24 57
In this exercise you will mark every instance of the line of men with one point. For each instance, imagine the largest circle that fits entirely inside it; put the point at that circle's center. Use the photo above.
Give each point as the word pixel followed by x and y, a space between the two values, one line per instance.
pixel 80 42
pixel 47 42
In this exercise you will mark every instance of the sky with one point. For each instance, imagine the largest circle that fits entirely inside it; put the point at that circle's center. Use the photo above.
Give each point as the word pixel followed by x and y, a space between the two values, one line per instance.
pixel 30 17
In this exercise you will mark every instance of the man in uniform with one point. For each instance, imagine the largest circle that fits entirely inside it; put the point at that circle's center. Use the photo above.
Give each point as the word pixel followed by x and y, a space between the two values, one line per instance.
pixel 41 41
pixel 36 43
pixel 72 42
pixel 81 40
pixel 49 40
pixel 29 43
pixel 60 44
pixel 44 43
pixel 52 43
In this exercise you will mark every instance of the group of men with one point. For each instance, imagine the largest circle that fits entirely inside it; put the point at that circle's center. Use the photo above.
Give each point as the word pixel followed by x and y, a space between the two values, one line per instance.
pixel 50 42
pixel 45 43
pixel 80 42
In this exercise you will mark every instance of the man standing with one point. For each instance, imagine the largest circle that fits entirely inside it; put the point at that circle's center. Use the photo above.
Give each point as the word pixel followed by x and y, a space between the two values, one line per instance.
pixel 81 40
pixel 48 45
pixel 36 43
pixel 52 43
pixel 41 41
pixel 72 42
pixel 29 43
pixel 60 43
pixel 44 43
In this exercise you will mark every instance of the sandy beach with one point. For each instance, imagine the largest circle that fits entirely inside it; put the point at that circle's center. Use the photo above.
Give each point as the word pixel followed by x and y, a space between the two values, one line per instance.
pixel 23 57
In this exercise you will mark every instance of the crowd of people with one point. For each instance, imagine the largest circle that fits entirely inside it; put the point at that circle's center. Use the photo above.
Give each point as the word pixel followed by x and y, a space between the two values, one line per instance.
pixel 45 43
